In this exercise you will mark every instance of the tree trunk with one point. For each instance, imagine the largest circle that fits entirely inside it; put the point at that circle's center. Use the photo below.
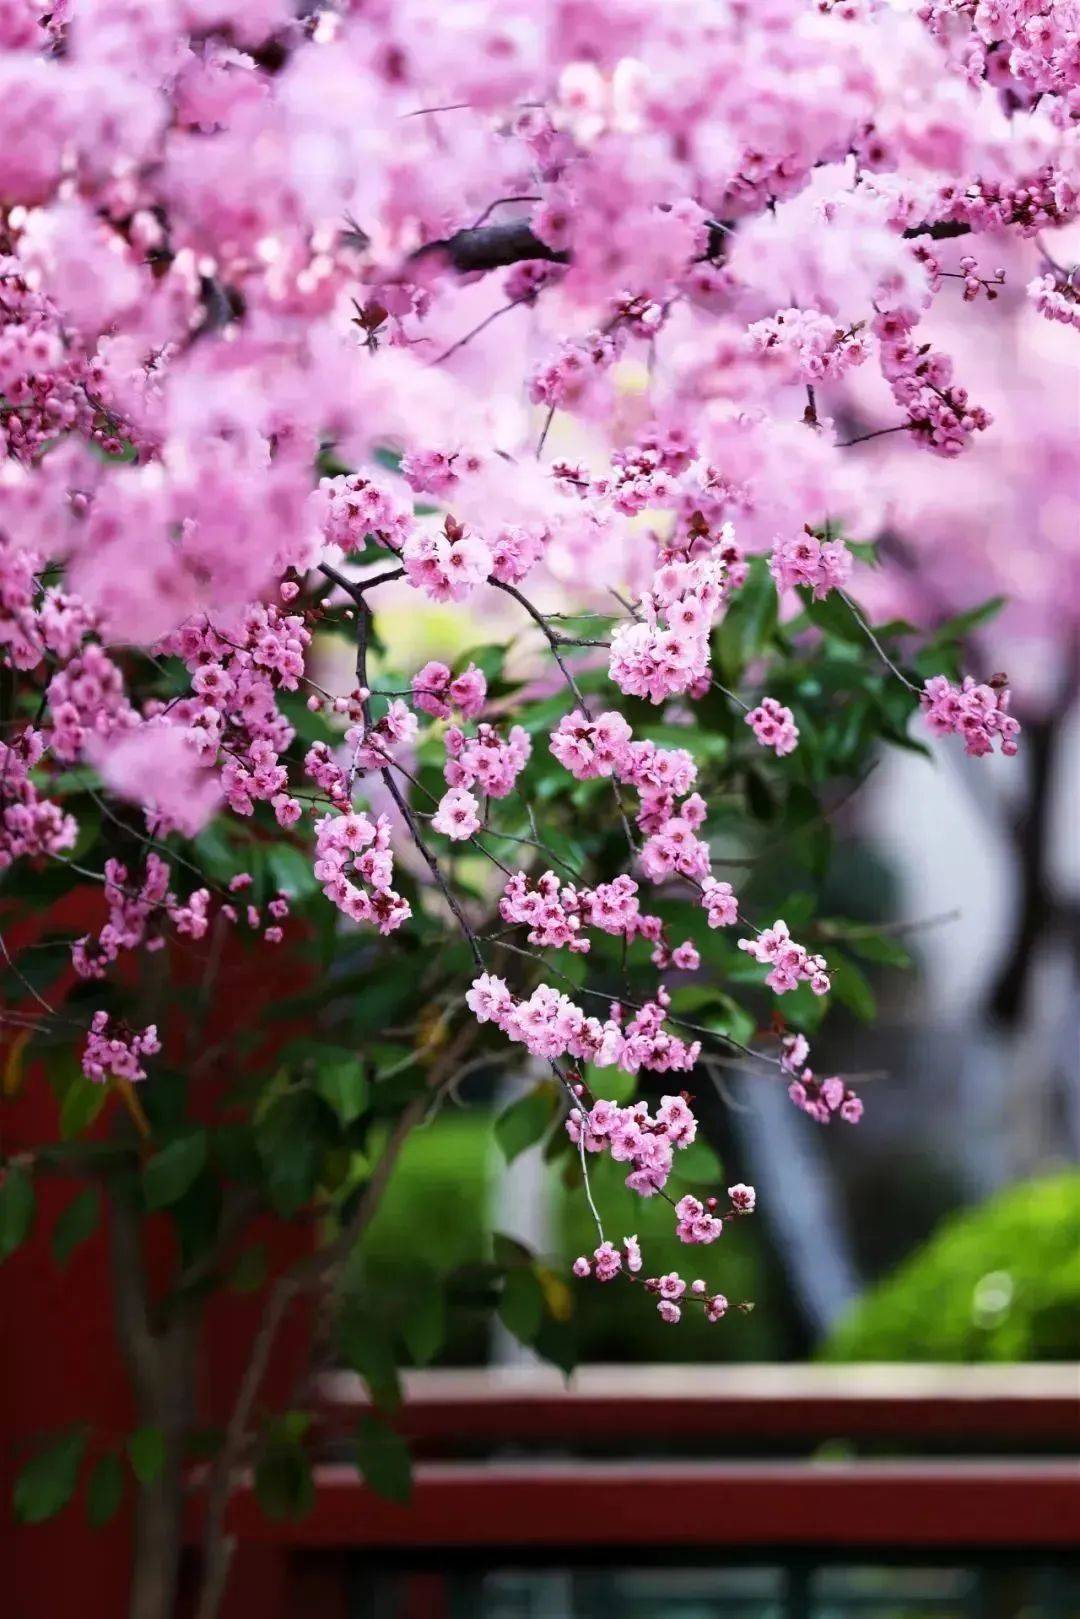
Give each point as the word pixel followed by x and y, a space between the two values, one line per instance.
pixel 160 1360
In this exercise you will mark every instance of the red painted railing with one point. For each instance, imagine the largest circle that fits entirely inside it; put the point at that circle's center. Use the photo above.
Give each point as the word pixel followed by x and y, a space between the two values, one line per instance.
pixel 583 1487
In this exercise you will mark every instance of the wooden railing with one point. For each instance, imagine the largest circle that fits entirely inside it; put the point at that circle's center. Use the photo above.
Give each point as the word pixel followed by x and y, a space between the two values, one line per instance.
pixel 685 1461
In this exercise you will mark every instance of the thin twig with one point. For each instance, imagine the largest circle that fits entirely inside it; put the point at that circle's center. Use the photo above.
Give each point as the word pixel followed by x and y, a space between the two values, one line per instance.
pixel 875 643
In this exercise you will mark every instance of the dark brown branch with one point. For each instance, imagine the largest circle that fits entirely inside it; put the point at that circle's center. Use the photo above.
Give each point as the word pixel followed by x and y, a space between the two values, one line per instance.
pixel 512 241
pixel 941 231
pixel 492 247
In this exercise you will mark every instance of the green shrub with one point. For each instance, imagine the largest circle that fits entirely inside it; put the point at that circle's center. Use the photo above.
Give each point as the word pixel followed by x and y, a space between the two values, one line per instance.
pixel 997 1283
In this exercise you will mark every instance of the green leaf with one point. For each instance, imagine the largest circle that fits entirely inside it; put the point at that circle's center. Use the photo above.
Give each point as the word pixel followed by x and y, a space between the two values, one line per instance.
pixel 170 1173
pixel 291 871
pixel 525 1120
pixel 508 1251
pixel 249 1272
pixel 17 1204
pixel 521 1307
pixel 956 628
pixel 340 1081
pixel 698 1163
pixel 749 623
pixel 424 1327
pixel 104 1489
pixel 835 618
pixel 78 1221
pixel 83 1101
pixel 284 1487
pixel 146 1452
pixel 488 659
pixel 47 1482
pixel 851 988
pixel 383 1458
pixel 289 1142
pixel 876 947
pixel 366 1348
pixel 219 855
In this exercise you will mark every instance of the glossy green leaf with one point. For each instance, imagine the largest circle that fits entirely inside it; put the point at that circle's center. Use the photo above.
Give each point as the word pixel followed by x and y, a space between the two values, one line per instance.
pixel 104 1489
pixel 383 1458
pixel 284 1486
pixel 47 1482
pixel 523 1123
pixel 521 1307
pixel 83 1101
pixel 146 1453
pixel 289 1144
pixel 17 1204
pixel 366 1348
pixel 340 1081
pixel 78 1222
pixel 850 986
pixel 170 1172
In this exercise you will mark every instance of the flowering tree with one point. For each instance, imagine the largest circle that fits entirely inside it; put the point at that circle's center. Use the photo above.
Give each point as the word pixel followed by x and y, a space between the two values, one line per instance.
pixel 550 314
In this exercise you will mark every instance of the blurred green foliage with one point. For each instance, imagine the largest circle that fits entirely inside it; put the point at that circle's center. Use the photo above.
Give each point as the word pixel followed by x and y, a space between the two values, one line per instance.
pixel 997 1283
pixel 432 1228
pixel 616 1323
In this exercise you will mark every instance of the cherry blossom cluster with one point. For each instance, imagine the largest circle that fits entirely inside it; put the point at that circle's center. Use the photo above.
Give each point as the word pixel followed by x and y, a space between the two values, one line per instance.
pixel 438 692
pixel 607 1261
pixel 696 1224
pixel 373 744
pixel 47 380
pixel 719 902
pixel 35 620
pixel 358 509
pixel 1056 297
pixel 116 1052
pixel 589 747
pixel 809 344
pixel 30 824
pixel 557 913
pixel 665 650
pixel 974 284
pixel 135 909
pixel 674 849
pixel 436 472
pixel 605 746
pixel 789 964
pixel 87 700
pixel 671 1291
pixel 805 559
pixel 237 665
pixel 977 712
pixel 774 726
pixel 549 1025
pixel 821 1098
pixel 447 563
pixel 632 1135
pixel 921 379
pixel 354 864
pixel 1027 47
pixel 645 474
pixel 568 375
pixel 486 760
